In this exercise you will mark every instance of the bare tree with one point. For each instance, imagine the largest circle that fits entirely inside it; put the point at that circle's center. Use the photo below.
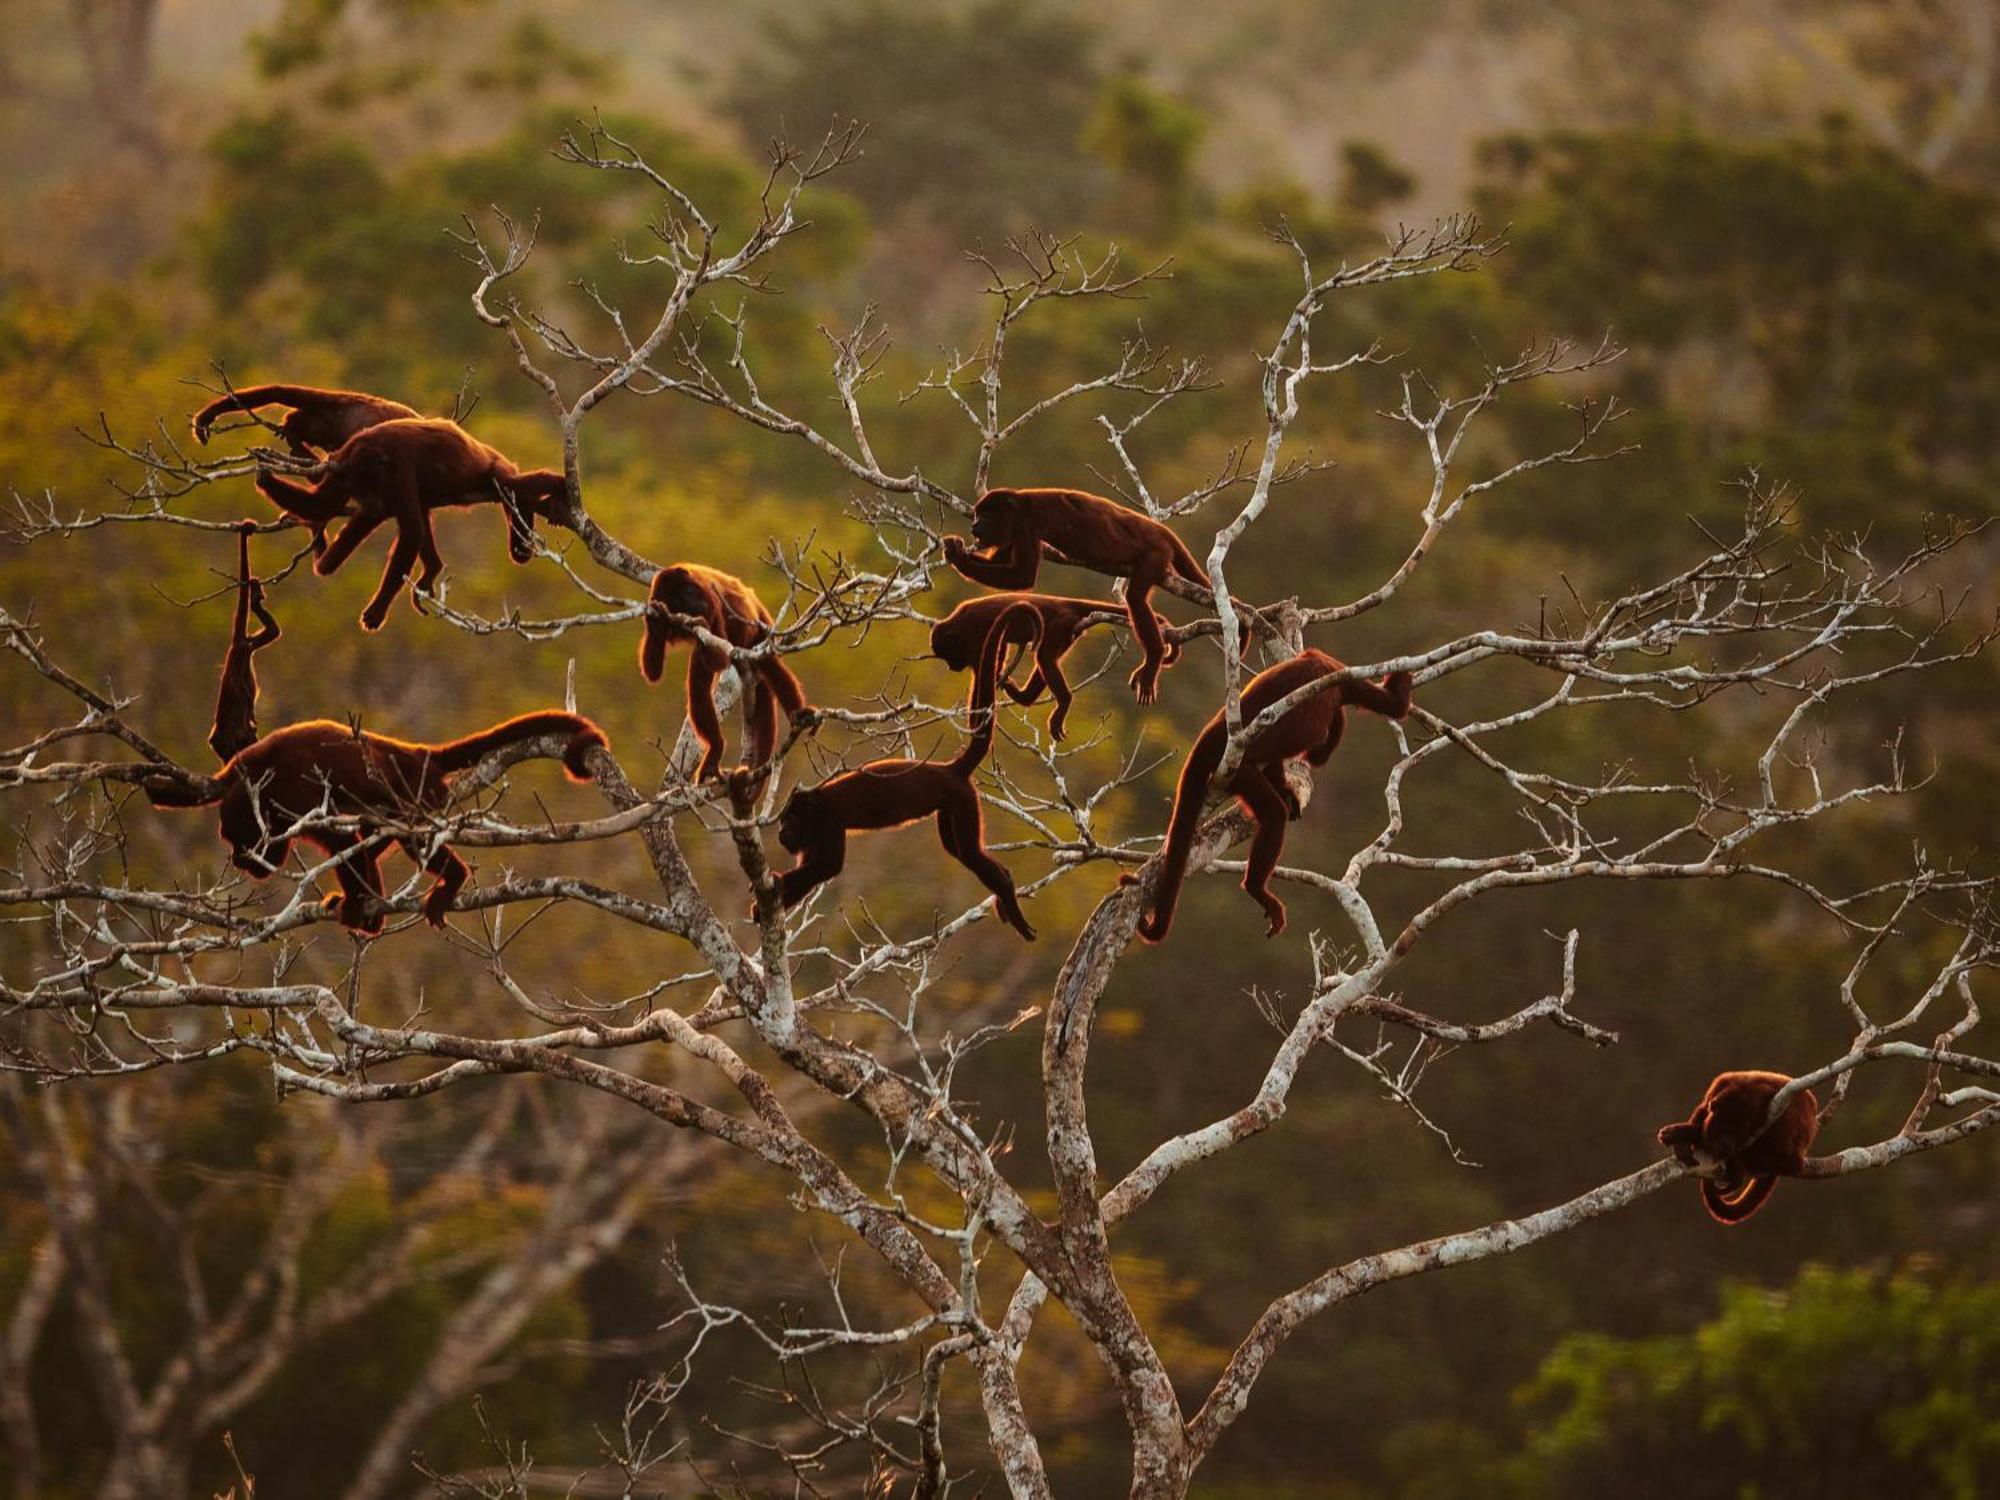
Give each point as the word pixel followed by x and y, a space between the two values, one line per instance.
pixel 1758 626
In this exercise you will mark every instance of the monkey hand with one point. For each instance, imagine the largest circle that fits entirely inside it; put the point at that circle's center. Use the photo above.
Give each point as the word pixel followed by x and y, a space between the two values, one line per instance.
pixel 436 904
pixel 955 549
pixel 1145 685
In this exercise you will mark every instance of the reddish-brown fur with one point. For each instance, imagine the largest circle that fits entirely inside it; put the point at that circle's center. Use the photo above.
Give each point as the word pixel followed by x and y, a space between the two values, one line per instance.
pixel 318 420
pixel 1728 1125
pixel 890 793
pixel 729 608
pixel 401 471
pixel 236 699
pixel 1013 529
pixel 1055 626
pixel 286 776
pixel 1311 730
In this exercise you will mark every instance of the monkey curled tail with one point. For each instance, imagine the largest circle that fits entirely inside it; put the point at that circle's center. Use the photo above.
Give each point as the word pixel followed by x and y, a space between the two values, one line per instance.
pixel 1729 1126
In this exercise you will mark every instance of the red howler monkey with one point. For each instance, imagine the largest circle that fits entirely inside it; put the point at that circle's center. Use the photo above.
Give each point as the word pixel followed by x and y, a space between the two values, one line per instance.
pixel 236 700
pixel 890 793
pixel 727 607
pixel 1014 528
pixel 288 774
pixel 1728 1124
pixel 1312 729
pixel 401 471
pixel 318 420
pixel 1055 626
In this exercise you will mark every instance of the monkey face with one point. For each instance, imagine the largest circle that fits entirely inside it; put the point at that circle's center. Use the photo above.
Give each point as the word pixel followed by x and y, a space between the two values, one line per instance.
pixel 520 532
pixel 948 648
pixel 799 824
pixel 676 588
pixel 996 518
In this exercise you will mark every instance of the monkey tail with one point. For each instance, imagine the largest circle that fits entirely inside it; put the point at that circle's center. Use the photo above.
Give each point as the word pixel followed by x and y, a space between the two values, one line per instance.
pixel 1189 795
pixel 985 678
pixel 1185 564
pixel 173 789
pixel 460 755
pixel 1725 1209
pixel 250 399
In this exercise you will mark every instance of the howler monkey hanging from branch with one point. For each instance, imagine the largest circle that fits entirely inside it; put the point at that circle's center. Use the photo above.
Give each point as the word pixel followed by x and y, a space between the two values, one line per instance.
pixel 1015 528
pixel 318 420
pixel 1053 628
pixel 889 793
pixel 727 607
pixel 294 772
pixel 1310 730
pixel 1728 1125
pixel 401 471
pixel 236 699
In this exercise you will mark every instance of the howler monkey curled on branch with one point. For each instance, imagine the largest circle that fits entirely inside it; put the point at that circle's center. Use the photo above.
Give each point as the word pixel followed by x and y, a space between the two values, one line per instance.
pixel 1014 528
pixel 401 471
pixel 1728 1125
pixel 729 608
pixel 889 793
pixel 318 420
pixel 290 773
pixel 1055 626
pixel 236 700
pixel 1312 729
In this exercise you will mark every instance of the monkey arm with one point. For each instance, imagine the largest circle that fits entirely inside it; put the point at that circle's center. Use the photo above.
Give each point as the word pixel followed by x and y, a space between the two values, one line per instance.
pixel 1013 568
pixel 823 860
pixel 701 712
pixel 1145 677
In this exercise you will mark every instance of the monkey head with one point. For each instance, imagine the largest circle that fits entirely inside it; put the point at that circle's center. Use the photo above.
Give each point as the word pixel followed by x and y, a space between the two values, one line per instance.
pixel 953 646
pixel 679 592
pixel 996 519
pixel 802 821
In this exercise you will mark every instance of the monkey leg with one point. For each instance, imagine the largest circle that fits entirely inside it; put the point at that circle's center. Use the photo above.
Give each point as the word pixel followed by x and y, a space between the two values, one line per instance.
pixel 451 872
pixel 357 530
pixel 1268 808
pixel 1273 772
pixel 701 712
pixel 401 557
pixel 822 860
pixel 760 713
pixel 430 559
pixel 314 504
pixel 1321 753
pixel 1027 692
pixel 1145 678
pixel 358 904
pixel 783 685
pixel 960 831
